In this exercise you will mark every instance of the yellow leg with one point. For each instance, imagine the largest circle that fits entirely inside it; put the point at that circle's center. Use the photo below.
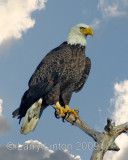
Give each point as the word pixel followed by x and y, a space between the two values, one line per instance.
pixel 65 110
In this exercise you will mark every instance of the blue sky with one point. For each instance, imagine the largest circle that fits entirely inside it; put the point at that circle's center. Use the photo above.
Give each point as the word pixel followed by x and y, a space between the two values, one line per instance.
pixel 29 31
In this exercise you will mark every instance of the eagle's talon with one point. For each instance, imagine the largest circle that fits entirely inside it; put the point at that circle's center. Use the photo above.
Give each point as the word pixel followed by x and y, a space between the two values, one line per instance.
pixel 56 115
pixel 74 121
pixel 63 120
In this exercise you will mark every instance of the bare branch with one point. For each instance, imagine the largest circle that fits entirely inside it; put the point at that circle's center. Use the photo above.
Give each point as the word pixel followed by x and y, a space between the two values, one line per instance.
pixel 114 147
pixel 105 141
pixel 81 124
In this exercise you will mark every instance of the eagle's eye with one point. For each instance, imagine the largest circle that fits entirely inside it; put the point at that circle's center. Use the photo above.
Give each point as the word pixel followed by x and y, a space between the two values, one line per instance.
pixel 82 28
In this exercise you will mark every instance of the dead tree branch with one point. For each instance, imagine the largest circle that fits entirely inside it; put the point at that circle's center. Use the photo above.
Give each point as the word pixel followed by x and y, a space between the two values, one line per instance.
pixel 105 140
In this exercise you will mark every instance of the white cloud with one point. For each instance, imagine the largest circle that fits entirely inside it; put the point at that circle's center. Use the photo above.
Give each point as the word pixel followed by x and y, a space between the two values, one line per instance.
pixel 15 17
pixel 113 8
pixel 95 23
pixel 33 150
pixel 121 102
pixel 4 125
pixel 120 115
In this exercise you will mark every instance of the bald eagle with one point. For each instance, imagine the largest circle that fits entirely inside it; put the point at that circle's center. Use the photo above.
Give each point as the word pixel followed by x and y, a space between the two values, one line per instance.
pixel 63 70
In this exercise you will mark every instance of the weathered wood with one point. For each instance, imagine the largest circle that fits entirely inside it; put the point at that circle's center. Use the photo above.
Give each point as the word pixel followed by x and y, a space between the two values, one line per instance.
pixel 105 140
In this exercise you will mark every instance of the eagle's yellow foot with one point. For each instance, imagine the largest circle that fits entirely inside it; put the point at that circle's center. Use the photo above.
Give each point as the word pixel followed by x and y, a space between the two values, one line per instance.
pixel 58 106
pixel 74 111
pixel 66 110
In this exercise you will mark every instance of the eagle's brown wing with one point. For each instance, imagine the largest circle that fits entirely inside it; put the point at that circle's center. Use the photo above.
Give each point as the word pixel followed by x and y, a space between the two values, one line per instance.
pixel 84 78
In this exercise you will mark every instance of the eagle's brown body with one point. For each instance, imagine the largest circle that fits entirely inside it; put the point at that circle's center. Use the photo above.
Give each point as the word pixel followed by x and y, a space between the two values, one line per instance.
pixel 63 71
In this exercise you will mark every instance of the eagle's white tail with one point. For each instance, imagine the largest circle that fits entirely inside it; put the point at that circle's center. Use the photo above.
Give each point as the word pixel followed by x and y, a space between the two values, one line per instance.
pixel 32 117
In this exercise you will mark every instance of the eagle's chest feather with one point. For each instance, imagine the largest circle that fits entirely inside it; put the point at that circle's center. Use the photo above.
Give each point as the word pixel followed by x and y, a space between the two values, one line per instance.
pixel 75 66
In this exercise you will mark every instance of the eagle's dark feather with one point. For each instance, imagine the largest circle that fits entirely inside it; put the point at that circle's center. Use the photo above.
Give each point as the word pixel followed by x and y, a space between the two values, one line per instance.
pixel 63 71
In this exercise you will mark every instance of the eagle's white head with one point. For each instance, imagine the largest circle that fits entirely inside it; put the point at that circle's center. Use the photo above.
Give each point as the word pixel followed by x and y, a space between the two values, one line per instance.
pixel 78 34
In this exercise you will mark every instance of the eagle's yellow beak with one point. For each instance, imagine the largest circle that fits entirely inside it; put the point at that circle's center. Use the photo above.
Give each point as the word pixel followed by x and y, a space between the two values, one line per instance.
pixel 86 31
